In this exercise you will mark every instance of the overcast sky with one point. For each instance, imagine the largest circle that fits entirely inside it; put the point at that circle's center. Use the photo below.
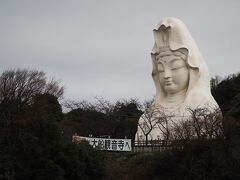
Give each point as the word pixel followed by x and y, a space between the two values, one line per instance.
pixel 102 48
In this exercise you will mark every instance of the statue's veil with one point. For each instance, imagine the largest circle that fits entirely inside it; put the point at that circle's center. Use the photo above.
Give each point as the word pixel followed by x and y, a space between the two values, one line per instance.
pixel 198 92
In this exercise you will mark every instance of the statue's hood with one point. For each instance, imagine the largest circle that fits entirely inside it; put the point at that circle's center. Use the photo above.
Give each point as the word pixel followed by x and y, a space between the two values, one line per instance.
pixel 180 37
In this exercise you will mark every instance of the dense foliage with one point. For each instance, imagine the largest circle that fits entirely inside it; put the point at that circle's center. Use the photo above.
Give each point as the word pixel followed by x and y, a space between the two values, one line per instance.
pixel 227 94
pixel 31 143
pixel 198 160
pixel 35 136
pixel 103 119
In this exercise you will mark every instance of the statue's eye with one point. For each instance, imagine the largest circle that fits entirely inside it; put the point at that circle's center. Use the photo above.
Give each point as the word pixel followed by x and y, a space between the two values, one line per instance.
pixel 177 64
pixel 176 68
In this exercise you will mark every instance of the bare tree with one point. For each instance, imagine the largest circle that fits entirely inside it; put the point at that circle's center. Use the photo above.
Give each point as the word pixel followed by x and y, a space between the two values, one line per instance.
pixel 53 87
pixel 100 105
pixel 103 105
pixel 148 121
pixel 213 124
pixel 183 130
pixel 165 123
pixel 22 85
pixel 197 117
pixel 73 104
pixel 202 123
pixel 214 82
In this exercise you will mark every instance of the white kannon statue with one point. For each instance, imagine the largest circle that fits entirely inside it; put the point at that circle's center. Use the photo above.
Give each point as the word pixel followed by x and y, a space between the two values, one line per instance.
pixel 181 78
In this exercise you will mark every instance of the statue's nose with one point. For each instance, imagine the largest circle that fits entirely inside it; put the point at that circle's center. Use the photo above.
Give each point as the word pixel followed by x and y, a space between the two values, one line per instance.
pixel 167 73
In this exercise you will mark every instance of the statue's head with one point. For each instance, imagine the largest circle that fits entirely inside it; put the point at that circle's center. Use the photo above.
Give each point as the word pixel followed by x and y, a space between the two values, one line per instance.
pixel 172 67
pixel 178 65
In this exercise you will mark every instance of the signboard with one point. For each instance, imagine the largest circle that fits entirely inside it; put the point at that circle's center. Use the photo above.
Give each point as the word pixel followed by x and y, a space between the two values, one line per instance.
pixel 105 143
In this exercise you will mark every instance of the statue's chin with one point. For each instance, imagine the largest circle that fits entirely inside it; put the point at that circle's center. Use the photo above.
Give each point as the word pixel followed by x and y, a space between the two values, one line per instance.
pixel 173 90
pixel 169 89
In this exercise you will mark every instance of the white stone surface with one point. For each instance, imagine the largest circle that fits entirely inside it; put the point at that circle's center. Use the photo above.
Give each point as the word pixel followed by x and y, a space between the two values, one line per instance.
pixel 181 78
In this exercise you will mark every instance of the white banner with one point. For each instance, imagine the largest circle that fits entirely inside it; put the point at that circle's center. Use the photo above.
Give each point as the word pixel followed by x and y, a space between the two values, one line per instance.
pixel 106 144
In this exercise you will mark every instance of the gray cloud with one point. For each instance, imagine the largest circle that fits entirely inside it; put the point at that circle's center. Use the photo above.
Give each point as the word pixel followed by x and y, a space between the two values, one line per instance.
pixel 103 47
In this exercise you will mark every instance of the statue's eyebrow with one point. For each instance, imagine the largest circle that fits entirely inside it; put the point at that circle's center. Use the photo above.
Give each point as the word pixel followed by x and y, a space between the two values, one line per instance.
pixel 175 59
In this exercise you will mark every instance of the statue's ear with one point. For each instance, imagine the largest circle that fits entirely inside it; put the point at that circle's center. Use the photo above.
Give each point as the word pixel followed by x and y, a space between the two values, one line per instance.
pixel 155 49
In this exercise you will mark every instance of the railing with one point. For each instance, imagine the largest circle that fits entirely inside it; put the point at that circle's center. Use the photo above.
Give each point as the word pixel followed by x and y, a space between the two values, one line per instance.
pixel 156 145
pixel 152 143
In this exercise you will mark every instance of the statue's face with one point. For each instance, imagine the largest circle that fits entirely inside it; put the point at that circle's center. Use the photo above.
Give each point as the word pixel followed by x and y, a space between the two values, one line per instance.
pixel 173 73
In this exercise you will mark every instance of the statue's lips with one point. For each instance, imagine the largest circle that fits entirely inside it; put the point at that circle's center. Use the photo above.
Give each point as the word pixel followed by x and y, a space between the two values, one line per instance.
pixel 168 83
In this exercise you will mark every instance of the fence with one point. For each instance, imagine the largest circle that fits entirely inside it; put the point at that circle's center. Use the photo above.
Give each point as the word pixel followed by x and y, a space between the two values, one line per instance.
pixel 156 145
